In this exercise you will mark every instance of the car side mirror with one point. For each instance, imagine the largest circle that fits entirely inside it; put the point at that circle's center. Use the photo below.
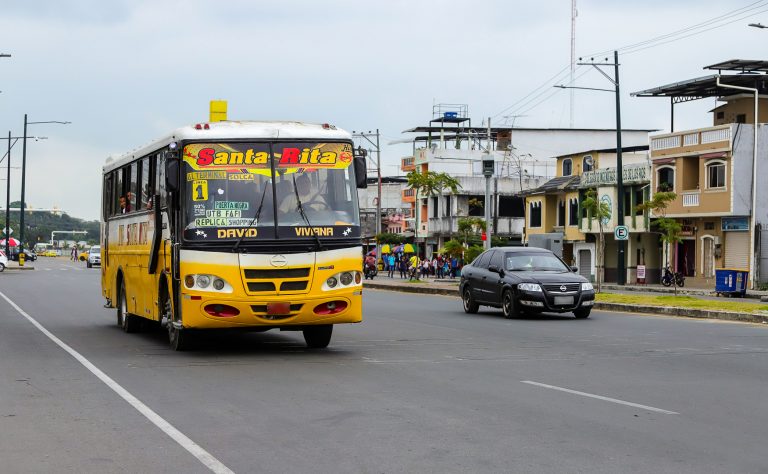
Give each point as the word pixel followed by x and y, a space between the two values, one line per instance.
pixel 496 269
pixel 574 269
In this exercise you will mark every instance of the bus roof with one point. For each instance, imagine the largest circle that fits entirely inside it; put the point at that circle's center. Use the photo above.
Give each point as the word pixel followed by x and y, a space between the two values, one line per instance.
pixel 234 130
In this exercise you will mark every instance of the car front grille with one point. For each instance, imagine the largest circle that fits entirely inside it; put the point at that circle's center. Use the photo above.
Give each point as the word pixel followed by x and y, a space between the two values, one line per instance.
pixel 558 288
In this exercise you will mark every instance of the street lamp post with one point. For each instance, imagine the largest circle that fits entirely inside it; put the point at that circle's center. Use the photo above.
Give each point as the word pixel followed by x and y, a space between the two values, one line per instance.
pixel 8 189
pixel 23 176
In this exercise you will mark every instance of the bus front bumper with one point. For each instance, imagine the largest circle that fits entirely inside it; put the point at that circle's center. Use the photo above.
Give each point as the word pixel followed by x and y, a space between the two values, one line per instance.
pixel 220 312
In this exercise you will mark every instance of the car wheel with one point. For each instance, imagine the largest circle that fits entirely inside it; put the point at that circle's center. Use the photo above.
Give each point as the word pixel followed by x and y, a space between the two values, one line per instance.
pixel 508 306
pixel 88 264
pixel 582 313
pixel 127 321
pixel 2 267
pixel 318 337
pixel 470 306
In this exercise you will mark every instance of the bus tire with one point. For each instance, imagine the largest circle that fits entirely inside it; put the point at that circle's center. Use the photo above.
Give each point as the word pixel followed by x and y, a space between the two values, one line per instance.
pixel 179 339
pixel 126 320
pixel 318 337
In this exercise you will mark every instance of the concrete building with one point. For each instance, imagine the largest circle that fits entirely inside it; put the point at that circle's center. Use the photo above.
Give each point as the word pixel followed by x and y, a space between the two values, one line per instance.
pixel 711 170
pixel 523 160
pixel 557 220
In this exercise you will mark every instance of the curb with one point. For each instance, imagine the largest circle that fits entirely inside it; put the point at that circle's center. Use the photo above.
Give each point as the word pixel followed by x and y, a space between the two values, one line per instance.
pixel 623 307
pixel 19 268
pixel 680 291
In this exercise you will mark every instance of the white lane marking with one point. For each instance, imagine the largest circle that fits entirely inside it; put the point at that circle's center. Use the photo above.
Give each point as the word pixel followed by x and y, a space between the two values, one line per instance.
pixel 196 450
pixel 599 397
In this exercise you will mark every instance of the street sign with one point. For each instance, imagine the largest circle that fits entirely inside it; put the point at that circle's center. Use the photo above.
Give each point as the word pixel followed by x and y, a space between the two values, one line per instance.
pixel 621 232
pixel 8 231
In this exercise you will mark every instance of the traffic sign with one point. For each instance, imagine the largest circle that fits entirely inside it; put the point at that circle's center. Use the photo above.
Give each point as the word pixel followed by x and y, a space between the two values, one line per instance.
pixel 621 232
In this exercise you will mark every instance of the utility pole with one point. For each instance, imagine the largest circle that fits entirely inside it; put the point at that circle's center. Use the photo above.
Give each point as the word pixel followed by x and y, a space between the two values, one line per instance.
pixel 621 278
pixel 8 202
pixel 488 171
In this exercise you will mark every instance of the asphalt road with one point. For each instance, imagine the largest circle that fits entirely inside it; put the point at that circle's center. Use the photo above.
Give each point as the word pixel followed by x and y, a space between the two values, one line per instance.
pixel 419 386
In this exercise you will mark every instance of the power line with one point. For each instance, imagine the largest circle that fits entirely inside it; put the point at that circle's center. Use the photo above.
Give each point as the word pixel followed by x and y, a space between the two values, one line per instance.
pixel 742 13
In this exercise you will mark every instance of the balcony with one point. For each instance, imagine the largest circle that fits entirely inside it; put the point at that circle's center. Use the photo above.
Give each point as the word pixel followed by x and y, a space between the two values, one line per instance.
pixel 409 195
pixel 690 198
pixel 407 164
pixel 692 141
pixel 505 225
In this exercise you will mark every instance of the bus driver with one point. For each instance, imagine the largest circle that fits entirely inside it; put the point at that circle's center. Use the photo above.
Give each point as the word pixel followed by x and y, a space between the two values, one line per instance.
pixel 309 199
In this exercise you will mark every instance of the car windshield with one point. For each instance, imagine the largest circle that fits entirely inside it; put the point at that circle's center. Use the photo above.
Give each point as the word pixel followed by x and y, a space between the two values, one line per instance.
pixel 529 262
pixel 259 190
pixel 95 250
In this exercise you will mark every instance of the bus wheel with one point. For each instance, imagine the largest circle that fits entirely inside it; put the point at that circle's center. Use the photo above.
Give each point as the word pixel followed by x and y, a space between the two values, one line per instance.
pixel 179 339
pixel 318 337
pixel 127 321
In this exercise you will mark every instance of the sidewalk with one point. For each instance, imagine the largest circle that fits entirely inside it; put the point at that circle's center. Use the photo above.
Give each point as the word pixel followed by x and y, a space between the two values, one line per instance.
pixel 15 266
pixel 450 287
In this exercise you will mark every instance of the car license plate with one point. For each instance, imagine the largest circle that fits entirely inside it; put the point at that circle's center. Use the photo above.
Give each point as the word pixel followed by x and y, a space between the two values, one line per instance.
pixel 563 300
pixel 278 309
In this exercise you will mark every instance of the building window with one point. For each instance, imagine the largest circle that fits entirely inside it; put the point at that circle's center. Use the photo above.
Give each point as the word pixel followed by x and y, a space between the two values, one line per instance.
pixel 587 163
pixel 709 226
pixel 639 199
pixel 666 178
pixel 716 174
pixel 561 213
pixel 720 115
pixel 435 200
pixel 567 167
pixel 573 211
pixel 741 118
pixel 535 214
pixel 447 209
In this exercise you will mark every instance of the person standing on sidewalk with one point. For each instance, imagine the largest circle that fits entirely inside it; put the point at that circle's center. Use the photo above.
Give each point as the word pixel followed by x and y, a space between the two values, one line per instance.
pixel 73 254
pixel 391 262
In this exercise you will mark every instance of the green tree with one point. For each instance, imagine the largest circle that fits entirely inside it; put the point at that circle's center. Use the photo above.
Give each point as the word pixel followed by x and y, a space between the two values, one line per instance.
pixel 669 228
pixel 470 229
pixel 600 210
pixel 453 248
pixel 430 183
pixel 389 238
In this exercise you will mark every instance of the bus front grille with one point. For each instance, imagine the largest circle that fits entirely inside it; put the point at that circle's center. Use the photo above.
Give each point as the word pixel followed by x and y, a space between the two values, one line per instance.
pixel 258 286
pixel 273 274
pixel 263 281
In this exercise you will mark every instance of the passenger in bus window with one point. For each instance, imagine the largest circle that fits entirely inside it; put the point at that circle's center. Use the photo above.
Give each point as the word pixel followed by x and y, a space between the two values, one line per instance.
pixel 310 199
pixel 122 205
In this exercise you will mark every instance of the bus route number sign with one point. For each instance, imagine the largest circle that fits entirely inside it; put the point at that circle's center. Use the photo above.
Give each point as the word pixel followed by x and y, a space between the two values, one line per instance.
pixel 621 232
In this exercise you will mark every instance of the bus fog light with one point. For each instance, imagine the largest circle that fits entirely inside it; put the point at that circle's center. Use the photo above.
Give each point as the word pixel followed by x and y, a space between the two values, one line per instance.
pixel 222 310
pixel 346 278
pixel 203 281
pixel 189 280
pixel 218 284
pixel 332 282
pixel 331 307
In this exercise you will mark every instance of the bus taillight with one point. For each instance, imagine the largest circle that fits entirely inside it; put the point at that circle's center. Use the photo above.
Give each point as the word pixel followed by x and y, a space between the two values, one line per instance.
pixel 331 307
pixel 222 310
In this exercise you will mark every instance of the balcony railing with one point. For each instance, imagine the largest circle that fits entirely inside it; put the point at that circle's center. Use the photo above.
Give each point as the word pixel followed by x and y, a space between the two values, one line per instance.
pixel 690 199
pixel 720 133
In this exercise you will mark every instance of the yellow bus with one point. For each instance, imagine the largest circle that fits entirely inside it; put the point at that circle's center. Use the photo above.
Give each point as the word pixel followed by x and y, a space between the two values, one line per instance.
pixel 226 225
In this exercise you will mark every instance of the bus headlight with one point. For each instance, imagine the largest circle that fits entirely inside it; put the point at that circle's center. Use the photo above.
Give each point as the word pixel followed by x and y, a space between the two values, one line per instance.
pixel 346 278
pixel 207 282
pixel 203 281
pixel 332 282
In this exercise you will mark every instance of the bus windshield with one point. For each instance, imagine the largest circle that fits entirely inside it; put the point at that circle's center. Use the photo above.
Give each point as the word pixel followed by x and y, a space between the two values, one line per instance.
pixel 260 191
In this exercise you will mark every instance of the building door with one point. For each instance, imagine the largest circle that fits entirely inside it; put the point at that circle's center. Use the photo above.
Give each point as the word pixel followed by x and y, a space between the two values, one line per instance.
pixel 686 258
pixel 737 250
pixel 708 254
pixel 585 264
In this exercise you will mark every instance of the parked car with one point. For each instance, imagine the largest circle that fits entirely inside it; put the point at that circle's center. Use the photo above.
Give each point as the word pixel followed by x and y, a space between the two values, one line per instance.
pixel 524 279
pixel 3 261
pixel 29 255
pixel 50 253
pixel 94 256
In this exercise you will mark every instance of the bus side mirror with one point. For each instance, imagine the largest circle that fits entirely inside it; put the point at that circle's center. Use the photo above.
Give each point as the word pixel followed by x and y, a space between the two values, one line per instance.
pixel 361 172
pixel 172 175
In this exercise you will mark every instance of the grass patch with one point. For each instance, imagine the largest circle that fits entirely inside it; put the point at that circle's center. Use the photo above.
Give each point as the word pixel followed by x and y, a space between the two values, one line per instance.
pixel 682 302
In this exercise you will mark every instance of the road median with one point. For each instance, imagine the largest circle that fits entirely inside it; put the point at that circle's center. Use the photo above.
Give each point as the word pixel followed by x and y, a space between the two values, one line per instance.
pixel 726 311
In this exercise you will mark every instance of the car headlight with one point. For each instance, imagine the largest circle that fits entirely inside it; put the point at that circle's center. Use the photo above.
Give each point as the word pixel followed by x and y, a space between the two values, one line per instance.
pixel 529 287
pixel 587 287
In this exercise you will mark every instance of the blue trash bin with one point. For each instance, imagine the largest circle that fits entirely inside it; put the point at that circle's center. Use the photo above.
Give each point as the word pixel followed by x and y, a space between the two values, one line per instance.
pixel 731 281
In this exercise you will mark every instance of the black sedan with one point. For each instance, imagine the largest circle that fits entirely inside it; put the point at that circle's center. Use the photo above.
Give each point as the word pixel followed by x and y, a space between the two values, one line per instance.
pixel 524 279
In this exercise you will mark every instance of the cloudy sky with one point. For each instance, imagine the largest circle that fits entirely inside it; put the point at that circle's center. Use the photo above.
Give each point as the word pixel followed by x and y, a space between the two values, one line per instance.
pixel 125 72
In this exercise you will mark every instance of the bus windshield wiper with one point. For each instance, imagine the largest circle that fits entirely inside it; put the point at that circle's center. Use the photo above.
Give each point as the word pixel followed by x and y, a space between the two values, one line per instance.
pixel 304 215
pixel 255 217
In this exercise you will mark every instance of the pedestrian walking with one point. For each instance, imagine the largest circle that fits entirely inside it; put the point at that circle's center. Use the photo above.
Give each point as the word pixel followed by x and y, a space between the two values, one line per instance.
pixel 73 254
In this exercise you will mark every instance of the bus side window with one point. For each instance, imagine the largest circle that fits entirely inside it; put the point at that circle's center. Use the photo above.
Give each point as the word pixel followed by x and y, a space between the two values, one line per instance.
pixel 132 188
pixel 160 179
pixel 118 191
pixel 145 193
pixel 107 197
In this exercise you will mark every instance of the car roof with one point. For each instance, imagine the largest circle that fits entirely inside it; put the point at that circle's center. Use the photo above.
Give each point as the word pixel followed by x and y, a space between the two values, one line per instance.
pixel 521 249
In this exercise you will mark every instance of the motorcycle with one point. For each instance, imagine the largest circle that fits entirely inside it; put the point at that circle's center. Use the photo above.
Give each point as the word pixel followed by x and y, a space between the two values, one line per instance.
pixel 669 277
pixel 370 271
